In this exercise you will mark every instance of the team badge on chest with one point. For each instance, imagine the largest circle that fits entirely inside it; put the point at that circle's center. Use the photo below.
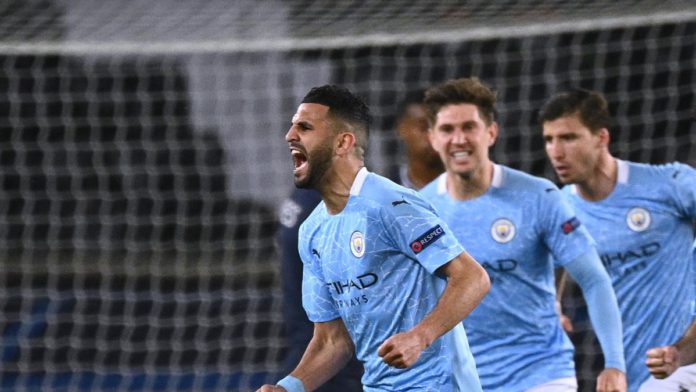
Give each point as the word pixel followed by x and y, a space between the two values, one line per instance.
pixel 638 219
pixel 503 230
pixel 357 244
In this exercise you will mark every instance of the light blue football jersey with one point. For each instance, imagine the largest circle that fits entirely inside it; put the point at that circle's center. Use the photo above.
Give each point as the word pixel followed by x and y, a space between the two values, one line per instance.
pixel 512 229
pixel 373 264
pixel 645 237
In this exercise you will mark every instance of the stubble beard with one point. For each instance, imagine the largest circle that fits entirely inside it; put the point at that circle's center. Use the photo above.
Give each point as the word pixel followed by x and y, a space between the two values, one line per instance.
pixel 318 163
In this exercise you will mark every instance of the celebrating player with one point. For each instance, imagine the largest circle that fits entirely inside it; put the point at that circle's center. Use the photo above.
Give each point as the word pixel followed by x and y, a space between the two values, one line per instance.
pixel 641 217
pixel 512 222
pixel 383 275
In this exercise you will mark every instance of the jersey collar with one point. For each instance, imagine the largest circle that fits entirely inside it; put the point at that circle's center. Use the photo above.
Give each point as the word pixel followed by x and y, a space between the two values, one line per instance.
pixel 621 171
pixel 621 175
pixel 359 181
pixel 496 182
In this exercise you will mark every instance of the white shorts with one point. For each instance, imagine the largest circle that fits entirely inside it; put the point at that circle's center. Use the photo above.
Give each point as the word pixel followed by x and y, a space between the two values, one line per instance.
pixel 683 380
pixel 567 384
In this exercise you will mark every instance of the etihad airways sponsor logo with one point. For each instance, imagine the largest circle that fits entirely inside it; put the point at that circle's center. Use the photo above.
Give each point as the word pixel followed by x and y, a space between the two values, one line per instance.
pixel 358 283
pixel 619 258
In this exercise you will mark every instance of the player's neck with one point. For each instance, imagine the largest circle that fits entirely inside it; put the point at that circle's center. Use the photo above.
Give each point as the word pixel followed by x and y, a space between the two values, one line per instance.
pixel 602 181
pixel 421 172
pixel 471 185
pixel 335 189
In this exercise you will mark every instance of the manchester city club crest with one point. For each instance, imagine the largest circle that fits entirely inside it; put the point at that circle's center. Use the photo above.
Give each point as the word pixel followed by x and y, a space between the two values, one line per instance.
pixel 503 230
pixel 638 219
pixel 357 244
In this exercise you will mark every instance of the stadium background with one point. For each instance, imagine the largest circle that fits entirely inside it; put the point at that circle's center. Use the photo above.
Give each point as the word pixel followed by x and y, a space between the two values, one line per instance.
pixel 142 156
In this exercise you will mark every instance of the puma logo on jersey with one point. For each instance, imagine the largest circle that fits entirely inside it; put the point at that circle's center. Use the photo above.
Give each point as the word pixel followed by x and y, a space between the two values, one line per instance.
pixel 402 201
pixel 316 253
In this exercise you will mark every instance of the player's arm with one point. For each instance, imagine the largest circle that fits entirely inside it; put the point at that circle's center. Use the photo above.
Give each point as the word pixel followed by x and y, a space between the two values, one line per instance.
pixel 665 360
pixel 327 353
pixel 561 283
pixel 588 272
pixel 467 284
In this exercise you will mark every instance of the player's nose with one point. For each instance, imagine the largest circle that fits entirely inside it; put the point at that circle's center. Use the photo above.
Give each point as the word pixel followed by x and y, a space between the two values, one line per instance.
pixel 458 136
pixel 291 134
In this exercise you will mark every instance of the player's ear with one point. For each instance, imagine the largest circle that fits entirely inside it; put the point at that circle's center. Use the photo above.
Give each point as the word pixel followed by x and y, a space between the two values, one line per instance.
pixel 604 137
pixel 345 142
pixel 493 129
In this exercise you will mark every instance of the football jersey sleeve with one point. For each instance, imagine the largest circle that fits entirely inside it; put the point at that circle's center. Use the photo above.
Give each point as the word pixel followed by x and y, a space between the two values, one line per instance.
pixel 684 180
pixel 418 232
pixel 562 231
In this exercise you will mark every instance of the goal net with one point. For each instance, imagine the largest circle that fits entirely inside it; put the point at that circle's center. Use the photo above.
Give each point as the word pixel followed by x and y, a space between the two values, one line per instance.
pixel 142 156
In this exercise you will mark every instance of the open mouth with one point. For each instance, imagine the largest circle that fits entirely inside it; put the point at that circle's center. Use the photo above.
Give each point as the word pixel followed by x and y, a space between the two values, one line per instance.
pixel 299 159
pixel 460 155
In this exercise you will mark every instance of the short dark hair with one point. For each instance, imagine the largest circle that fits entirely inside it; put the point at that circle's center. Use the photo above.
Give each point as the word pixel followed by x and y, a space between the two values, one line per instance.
pixel 591 108
pixel 345 106
pixel 458 91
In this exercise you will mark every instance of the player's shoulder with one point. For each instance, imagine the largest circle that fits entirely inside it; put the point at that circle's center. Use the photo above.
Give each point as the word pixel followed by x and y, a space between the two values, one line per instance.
pixel 380 191
pixel 433 188
pixel 658 178
pixel 655 172
pixel 521 181
pixel 314 219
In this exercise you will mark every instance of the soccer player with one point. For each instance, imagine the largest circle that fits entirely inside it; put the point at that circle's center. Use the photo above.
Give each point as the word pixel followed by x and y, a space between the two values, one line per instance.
pixel 383 275
pixel 641 217
pixel 292 212
pixel 421 166
pixel 512 223
pixel 423 163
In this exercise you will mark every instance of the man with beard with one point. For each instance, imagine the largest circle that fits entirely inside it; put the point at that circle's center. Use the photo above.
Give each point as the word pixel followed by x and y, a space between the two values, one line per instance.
pixel 512 223
pixel 641 217
pixel 422 165
pixel 382 274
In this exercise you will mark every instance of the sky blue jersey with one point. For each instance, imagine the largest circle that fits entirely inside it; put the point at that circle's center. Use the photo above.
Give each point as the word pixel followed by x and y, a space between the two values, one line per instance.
pixel 644 236
pixel 373 264
pixel 512 229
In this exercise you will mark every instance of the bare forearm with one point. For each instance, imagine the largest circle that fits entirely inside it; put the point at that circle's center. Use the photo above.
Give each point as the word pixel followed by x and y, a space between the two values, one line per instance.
pixel 665 360
pixel 687 346
pixel 463 293
pixel 323 358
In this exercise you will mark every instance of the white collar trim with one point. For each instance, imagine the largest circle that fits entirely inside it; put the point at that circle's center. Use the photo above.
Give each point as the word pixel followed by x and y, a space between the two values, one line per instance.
pixel 622 170
pixel 496 182
pixel 359 181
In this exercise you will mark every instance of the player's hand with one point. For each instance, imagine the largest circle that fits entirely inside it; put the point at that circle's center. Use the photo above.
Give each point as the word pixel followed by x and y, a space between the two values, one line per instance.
pixel 403 349
pixel 662 361
pixel 611 380
pixel 271 388
pixel 566 324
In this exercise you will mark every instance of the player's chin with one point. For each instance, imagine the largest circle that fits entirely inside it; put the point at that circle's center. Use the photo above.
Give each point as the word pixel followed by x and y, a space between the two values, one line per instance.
pixel 302 181
pixel 565 178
